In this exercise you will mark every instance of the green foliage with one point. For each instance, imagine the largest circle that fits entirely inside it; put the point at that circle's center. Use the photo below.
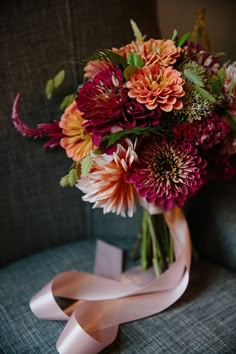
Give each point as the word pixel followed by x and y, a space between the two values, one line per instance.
pixel 174 35
pixel 108 55
pixel 216 85
pixel 137 33
pixel 183 38
pixel 115 137
pixel 131 69
pixel 70 179
pixel 54 83
pixel 193 77
pixel 66 101
pixel 135 59
pixel 205 94
pixel 86 165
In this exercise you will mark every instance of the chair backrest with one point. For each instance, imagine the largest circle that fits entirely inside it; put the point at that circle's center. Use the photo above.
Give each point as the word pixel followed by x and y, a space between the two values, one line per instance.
pixel 37 39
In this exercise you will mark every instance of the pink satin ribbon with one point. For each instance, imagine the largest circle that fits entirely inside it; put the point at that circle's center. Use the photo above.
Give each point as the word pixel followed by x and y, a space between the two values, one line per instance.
pixel 108 298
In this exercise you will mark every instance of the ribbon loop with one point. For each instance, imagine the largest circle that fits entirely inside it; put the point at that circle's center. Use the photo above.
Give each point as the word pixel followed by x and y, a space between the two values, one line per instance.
pixel 108 298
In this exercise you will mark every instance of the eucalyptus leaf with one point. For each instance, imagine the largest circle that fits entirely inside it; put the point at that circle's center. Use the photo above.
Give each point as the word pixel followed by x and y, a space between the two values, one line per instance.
pixel 135 59
pixel 183 38
pixel 67 100
pixel 59 78
pixel 205 94
pixel 72 177
pixel 131 69
pixel 49 89
pixel 193 77
pixel 216 85
pixel 222 75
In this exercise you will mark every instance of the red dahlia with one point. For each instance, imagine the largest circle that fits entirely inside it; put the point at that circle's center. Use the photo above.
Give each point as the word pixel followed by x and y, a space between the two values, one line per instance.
pixel 168 172
pixel 101 100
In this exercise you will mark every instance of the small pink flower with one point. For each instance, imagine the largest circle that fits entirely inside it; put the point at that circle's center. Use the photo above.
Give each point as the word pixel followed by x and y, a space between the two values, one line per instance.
pixel 107 186
pixel 230 88
pixel 157 86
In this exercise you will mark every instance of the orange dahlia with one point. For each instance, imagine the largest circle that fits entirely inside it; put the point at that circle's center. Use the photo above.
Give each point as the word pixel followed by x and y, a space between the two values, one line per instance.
pixel 155 85
pixel 107 186
pixel 94 67
pixel 77 143
pixel 152 51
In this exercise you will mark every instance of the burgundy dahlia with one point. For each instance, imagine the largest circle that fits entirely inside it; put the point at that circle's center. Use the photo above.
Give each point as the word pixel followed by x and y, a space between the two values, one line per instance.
pixel 137 115
pixel 206 133
pixel 168 172
pixel 101 101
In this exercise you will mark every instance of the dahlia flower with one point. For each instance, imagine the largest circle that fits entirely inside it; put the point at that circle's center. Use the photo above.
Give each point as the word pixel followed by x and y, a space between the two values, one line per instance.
pixel 230 88
pixel 94 67
pixel 101 100
pixel 107 186
pixel 157 86
pixel 168 172
pixel 77 143
pixel 205 133
pixel 152 51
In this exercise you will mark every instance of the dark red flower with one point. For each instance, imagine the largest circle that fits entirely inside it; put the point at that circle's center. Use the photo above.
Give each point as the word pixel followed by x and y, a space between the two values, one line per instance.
pixel 205 133
pixel 168 172
pixel 101 101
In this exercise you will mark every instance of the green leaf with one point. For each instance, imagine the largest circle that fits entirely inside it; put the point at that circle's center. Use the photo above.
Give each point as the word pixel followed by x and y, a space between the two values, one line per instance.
pixel 115 137
pixel 70 179
pixel 49 89
pixel 59 78
pixel 216 85
pixel 67 100
pixel 231 86
pixel 182 39
pixel 135 59
pixel 86 165
pixel 131 69
pixel 222 75
pixel 174 35
pixel 108 55
pixel 205 94
pixel 193 77
pixel 137 33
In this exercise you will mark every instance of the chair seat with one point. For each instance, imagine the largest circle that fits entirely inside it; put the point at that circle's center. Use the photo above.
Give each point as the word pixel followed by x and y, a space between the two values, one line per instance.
pixel 202 321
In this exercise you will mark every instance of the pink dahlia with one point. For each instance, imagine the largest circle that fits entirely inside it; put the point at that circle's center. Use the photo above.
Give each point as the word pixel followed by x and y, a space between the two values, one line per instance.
pixel 152 51
pixel 230 88
pixel 168 172
pixel 77 143
pixel 107 186
pixel 157 86
pixel 206 133
pixel 101 100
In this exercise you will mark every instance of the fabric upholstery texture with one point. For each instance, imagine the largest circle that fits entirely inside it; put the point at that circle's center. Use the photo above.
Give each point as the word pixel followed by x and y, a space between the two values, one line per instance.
pixel 37 39
pixel 202 321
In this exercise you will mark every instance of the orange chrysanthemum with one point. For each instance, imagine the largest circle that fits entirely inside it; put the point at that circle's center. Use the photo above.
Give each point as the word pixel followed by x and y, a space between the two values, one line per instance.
pixel 155 85
pixel 152 51
pixel 107 186
pixel 77 143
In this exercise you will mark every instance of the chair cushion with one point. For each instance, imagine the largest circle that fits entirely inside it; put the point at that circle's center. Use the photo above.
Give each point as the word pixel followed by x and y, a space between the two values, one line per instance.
pixel 203 320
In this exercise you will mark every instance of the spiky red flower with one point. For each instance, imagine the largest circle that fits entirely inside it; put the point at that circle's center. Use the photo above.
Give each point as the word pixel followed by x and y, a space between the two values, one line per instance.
pixel 101 100
pixel 168 172
pixel 205 133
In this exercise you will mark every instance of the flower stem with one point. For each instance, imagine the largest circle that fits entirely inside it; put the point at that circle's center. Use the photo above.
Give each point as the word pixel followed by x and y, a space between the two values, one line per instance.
pixel 144 245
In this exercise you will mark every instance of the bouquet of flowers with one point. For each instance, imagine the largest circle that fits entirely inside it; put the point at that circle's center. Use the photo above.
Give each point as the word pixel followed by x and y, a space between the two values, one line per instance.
pixel 153 122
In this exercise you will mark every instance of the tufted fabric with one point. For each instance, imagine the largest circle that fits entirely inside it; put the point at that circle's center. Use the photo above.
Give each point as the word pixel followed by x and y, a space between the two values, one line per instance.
pixel 202 321
pixel 37 39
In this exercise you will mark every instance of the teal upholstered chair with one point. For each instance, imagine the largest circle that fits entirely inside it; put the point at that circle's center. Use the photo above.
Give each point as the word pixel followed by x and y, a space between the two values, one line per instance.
pixel 46 229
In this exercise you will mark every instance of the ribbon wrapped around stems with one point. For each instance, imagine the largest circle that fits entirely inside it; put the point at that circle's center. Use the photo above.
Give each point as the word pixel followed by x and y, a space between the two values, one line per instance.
pixel 102 301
